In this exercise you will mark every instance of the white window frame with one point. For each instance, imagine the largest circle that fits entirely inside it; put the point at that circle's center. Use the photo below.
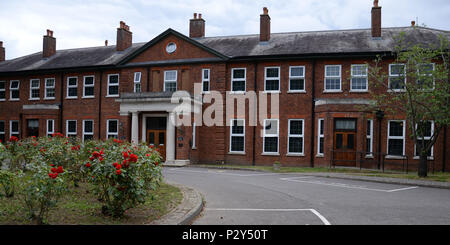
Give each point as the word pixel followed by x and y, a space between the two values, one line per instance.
pixel 325 79
pixel 271 135
pixel 233 79
pixel 68 134
pixel 206 80
pixel 3 90
pixel 11 89
pixel 425 138
pixel 35 88
pixel 297 77
pixel 236 135
pixel 171 81
pixel 272 78
pixel 71 86
pixel 396 76
pixel 52 131
pixel 320 135
pixel 4 131
pixel 88 86
pixel 109 85
pixel 395 137
pixel 370 137
pixel 359 76
pixel 46 97
pixel 296 136
pixel 107 129
pixel 430 75
pixel 137 82
pixel 193 136
pixel 84 128
pixel 11 132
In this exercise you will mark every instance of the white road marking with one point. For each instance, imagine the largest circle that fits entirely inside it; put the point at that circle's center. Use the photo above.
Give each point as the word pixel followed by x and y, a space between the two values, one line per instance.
pixel 221 172
pixel 315 212
pixel 361 187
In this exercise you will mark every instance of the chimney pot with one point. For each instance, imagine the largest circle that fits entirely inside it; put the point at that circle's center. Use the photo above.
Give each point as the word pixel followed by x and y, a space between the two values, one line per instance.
pixel 264 26
pixel 200 16
pixel 375 3
pixel 265 11
pixel 197 26
pixel 1 44
pixel 195 16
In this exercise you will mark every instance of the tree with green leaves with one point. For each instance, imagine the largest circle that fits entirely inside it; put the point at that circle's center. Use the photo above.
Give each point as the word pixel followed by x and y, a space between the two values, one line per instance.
pixel 417 86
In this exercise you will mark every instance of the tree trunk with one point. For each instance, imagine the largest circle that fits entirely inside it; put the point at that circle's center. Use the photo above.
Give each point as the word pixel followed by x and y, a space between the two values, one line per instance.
pixel 423 165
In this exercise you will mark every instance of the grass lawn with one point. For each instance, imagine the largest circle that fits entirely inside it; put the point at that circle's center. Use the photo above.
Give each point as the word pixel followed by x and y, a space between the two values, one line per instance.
pixel 81 207
pixel 437 176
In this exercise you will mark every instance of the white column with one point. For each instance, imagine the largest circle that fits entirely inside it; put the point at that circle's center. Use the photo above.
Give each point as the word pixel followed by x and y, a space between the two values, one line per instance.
pixel 170 145
pixel 144 129
pixel 134 128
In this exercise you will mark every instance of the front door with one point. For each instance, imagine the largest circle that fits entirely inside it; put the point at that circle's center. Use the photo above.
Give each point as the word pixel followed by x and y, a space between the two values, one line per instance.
pixel 345 142
pixel 157 139
pixel 33 128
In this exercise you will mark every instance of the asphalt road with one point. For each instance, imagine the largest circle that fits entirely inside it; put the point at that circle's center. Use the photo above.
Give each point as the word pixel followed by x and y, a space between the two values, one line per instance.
pixel 235 197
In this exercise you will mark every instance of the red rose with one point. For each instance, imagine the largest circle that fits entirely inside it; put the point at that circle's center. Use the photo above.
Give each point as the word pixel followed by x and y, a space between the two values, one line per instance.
pixel 52 165
pixel 53 170
pixel 88 165
pixel 156 163
pixel 115 164
pixel 147 155
pixel 118 166
pixel 118 172
pixel 133 158
pixel 125 155
pixel 60 170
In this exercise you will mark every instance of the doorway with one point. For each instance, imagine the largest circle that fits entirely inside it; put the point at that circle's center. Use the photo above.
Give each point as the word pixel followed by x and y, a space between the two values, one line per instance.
pixel 344 149
pixel 156 134
pixel 32 127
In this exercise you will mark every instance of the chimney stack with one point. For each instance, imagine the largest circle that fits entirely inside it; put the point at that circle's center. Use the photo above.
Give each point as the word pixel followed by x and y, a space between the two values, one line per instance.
pixel 197 26
pixel 376 20
pixel 2 52
pixel 124 37
pixel 264 27
pixel 49 47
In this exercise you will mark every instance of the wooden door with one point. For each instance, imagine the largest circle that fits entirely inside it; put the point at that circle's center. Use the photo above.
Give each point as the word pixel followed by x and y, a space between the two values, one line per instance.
pixel 157 138
pixel 345 148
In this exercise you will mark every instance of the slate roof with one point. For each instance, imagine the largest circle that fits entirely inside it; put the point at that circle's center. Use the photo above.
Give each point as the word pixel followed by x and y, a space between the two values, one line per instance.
pixel 234 47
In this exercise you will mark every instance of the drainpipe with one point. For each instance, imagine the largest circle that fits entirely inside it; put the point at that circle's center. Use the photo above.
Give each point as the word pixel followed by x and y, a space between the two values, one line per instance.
pixel 100 106
pixel 313 113
pixel 254 128
pixel 444 149
pixel 380 115
pixel 61 96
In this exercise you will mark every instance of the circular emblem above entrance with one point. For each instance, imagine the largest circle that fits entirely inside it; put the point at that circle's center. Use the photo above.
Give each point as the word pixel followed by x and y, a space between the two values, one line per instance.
pixel 171 47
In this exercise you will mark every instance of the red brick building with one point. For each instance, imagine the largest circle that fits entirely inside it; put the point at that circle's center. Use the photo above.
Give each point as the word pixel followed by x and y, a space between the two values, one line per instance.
pixel 126 90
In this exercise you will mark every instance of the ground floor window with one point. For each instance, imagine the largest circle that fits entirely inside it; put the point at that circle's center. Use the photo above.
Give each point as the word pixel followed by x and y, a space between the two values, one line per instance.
pixel 295 136
pixel 88 130
pixel 320 137
pixel 237 135
pixel 2 132
pixel 14 128
pixel 193 136
pixel 427 129
pixel 369 138
pixel 396 138
pixel 112 128
pixel 50 127
pixel 71 128
pixel 271 134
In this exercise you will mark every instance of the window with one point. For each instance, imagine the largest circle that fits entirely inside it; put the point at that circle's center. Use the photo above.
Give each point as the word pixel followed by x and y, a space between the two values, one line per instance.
pixel 14 128
pixel 359 80
pixel 34 89
pixel 333 78
pixel 71 128
pixel 49 88
pixel 88 130
pixel 193 136
pixel 137 82
pixel 272 79
pixel 425 76
pixel 72 87
pixel 113 85
pixel 237 135
pixel 88 87
pixel 170 81
pixel 205 80
pixel 397 77
pixel 295 136
pixel 270 136
pixel 427 128
pixel 396 138
pixel 238 79
pixel 2 132
pixel 320 137
pixel 14 90
pixel 50 127
pixel 297 78
pixel 369 138
pixel 112 128
pixel 2 90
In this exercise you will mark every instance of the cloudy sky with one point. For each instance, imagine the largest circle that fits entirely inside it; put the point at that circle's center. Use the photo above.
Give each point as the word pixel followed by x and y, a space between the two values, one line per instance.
pixel 81 23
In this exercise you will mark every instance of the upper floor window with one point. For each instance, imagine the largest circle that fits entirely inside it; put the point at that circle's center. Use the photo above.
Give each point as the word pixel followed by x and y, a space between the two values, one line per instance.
pixel 295 136
pixel 88 87
pixel 425 76
pixel 238 79
pixel 205 80
pixel 237 135
pixel 271 133
pixel 333 78
pixel 272 79
pixel 34 89
pixel 2 90
pixel 397 77
pixel 170 81
pixel 14 90
pixel 72 87
pixel 137 82
pixel 297 78
pixel 112 128
pixel 113 85
pixel 359 80
pixel 49 88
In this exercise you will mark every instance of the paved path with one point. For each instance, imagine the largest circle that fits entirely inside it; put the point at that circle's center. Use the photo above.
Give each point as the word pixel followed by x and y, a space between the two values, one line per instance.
pixel 257 198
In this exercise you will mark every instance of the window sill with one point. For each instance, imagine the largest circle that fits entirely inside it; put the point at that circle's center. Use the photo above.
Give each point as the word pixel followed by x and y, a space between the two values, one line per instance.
pixel 359 91
pixel 369 156
pixel 49 98
pixel 320 155
pixel 332 91
pixel 14 99
pixel 270 154
pixel 206 92
pixel 296 92
pixel 394 157
pixel 236 153
pixel 428 158
pixel 194 148
pixel 34 99
pixel 71 98
pixel 111 96
pixel 237 92
pixel 396 90
pixel 295 155
pixel 271 92
pixel 88 97
pixel 2 99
